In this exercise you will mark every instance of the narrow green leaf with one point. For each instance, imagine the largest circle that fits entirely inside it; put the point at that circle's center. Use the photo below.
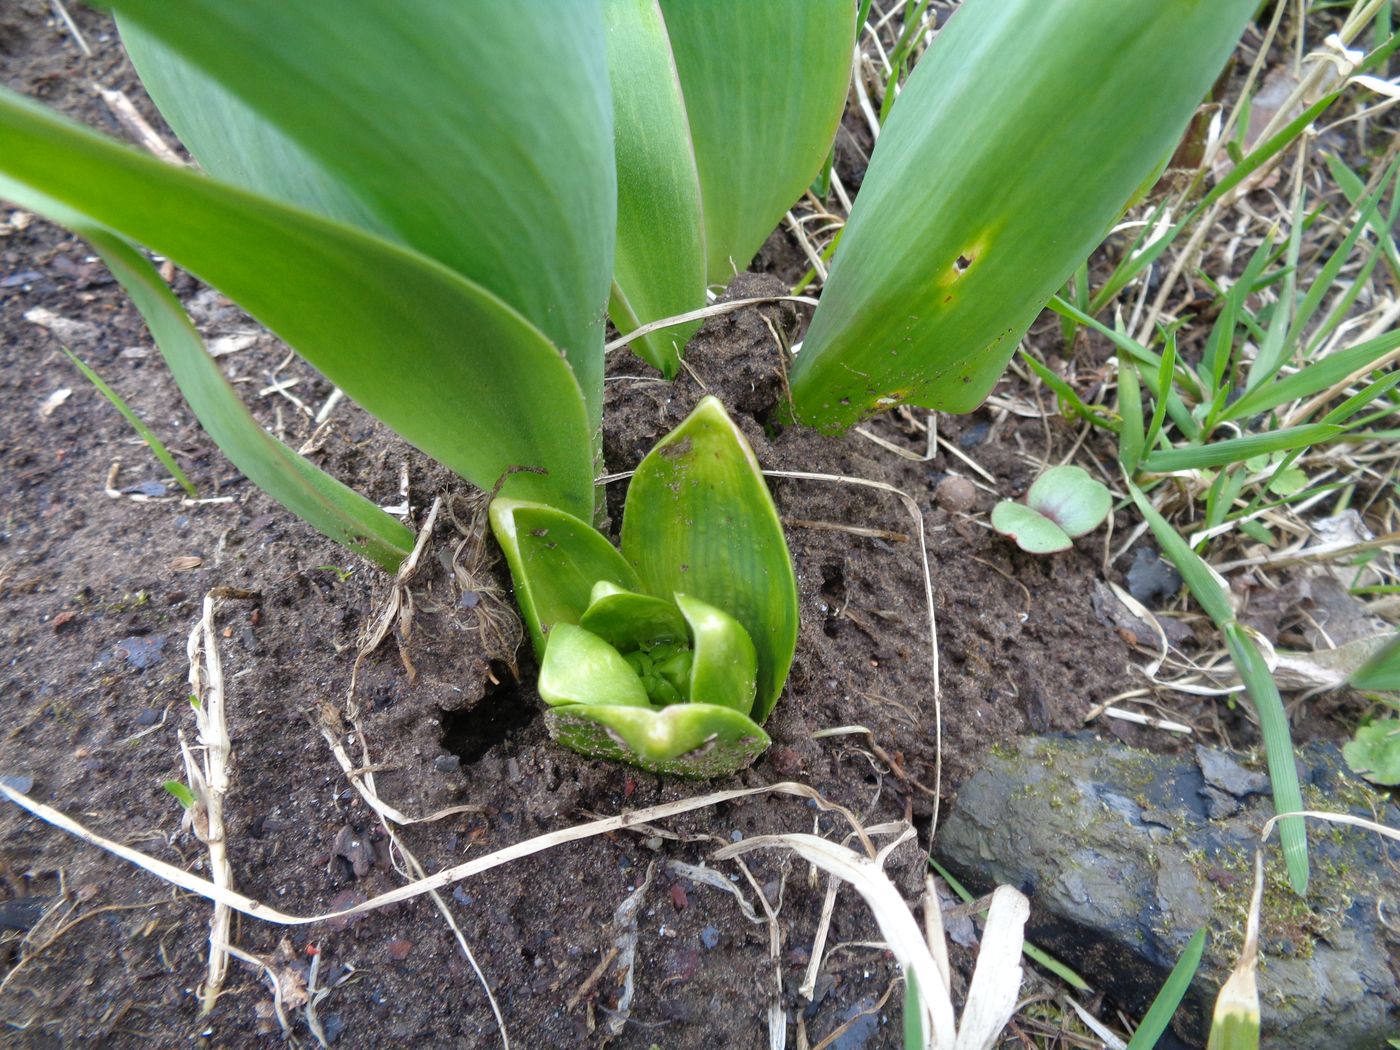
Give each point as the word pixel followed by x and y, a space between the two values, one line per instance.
pixel 1066 393
pixel 1132 438
pixel 913 1014
pixel 1258 681
pixel 725 668
pixel 1207 591
pixel 157 448
pixel 555 560
pixel 764 86
pixel 1059 111
pixel 699 520
pixel 1237 450
pixel 1159 1014
pixel 686 740
pixel 482 142
pixel 1278 751
pixel 1033 532
pixel 581 668
pixel 1313 378
pixel 660 266
pixel 181 793
pixel 438 358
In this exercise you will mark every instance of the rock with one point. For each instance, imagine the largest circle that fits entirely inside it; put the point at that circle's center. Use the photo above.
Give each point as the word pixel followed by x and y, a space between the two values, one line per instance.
pixel 1123 860
pixel 142 652
pixel 1151 580
pixel 956 494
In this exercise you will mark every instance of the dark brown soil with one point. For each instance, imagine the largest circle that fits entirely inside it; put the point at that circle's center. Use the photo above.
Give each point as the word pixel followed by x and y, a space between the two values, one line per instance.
pixel 96 605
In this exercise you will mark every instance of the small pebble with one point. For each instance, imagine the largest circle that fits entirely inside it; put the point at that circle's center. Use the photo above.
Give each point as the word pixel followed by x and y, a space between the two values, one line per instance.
pixel 447 764
pixel 955 494
pixel 399 949
pixel 147 716
pixel 709 937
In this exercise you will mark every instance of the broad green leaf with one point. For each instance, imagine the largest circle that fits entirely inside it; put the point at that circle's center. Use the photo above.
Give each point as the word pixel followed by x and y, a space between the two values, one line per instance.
pixel 1381 673
pixel 1159 1015
pixel 581 668
pixel 725 668
pixel 764 86
pixel 300 486
pixel 556 560
pixel 138 424
pixel 686 740
pixel 1033 532
pixel 660 266
pixel 1374 752
pixel 441 360
pixel 1014 145
pixel 699 520
pixel 482 142
pixel 1237 450
pixel 1070 498
pixel 626 619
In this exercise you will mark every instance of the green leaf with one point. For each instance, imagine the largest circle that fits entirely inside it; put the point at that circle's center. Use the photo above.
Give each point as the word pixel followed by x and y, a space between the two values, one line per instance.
pixel 484 142
pixel 1374 752
pixel 626 620
pixel 1069 497
pixel 1204 585
pixel 1058 111
pixel 1159 1014
pixel 181 793
pixel 687 740
pixel 439 359
pixel 1032 531
pixel 556 560
pixel 581 668
pixel 725 668
pixel 157 448
pixel 764 86
pixel 299 485
pixel 1237 450
pixel 1312 378
pixel 913 1014
pixel 660 266
pixel 699 521
pixel 1381 673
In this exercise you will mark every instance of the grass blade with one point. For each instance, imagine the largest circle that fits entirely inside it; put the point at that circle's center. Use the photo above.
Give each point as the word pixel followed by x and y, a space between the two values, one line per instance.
pixel 154 443
pixel 1312 378
pixel 1237 450
pixel 1159 1014
pixel 1258 681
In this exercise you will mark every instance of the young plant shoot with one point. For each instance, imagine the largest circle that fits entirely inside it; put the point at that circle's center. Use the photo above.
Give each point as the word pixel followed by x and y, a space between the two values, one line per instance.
pixel 670 653
pixel 1063 504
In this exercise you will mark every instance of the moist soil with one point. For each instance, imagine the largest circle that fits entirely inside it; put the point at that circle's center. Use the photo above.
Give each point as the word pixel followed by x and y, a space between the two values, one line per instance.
pixel 99 592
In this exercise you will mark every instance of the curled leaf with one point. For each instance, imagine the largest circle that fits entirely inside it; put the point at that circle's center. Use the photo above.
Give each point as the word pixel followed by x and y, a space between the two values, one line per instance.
pixel 689 740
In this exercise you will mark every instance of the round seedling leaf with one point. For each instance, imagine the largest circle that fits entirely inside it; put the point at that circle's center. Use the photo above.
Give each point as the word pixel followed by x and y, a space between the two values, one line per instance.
pixel 687 740
pixel 725 668
pixel 1375 751
pixel 581 668
pixel 1070 498
pixel 1032 531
